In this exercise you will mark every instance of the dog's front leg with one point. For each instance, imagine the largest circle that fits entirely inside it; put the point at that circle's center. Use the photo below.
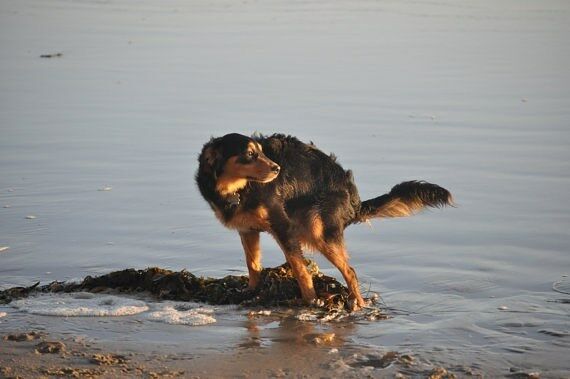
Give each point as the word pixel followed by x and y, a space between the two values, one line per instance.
pixel 250 242
pixel 284 233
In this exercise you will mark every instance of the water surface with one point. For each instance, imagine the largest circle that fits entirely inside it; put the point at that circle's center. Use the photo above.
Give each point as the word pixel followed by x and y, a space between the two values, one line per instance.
pixel 472 96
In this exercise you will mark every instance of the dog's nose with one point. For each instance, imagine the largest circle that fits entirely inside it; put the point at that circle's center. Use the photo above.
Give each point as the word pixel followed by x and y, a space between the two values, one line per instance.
pixel 275 169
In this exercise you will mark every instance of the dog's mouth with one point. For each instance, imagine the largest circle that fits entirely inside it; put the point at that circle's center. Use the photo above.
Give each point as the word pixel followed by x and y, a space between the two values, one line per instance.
pixel 266 179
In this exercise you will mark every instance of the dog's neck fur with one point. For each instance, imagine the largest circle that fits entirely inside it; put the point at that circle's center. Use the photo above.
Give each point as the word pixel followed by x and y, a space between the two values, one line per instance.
pixel 227 186
pixel 226 199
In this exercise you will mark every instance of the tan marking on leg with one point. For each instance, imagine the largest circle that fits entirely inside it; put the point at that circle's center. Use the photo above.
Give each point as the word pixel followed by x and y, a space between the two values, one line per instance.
pixel 250 242
pixel 297 263
pixel 304 278
pixel 338 256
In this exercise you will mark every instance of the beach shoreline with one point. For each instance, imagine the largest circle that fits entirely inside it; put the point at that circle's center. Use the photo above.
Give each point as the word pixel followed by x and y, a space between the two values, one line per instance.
pixel 38 354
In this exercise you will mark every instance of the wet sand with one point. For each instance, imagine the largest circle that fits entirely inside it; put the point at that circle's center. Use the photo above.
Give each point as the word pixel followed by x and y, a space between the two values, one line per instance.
pixel 308 354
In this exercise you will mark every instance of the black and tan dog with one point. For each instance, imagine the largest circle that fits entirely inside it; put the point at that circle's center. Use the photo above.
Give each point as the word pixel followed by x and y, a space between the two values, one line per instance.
pixel 299 195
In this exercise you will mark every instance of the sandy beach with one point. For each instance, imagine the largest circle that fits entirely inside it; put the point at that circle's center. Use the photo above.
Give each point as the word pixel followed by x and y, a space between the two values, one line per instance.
pixel 307 354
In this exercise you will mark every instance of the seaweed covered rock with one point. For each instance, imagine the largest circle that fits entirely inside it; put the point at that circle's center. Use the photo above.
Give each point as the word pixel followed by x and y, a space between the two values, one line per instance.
pixel 277 287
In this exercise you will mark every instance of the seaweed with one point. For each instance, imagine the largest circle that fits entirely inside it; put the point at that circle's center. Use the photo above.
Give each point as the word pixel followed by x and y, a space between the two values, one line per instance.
pixel 277 287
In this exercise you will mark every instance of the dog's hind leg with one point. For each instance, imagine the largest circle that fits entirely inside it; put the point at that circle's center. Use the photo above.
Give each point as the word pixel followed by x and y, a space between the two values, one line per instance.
pixel 289 242
pixel 250 242
pixel 327 226
pixel 337 255
pixel 297 263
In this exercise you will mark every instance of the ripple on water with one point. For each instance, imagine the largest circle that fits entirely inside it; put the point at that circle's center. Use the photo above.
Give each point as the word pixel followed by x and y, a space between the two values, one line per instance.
pixel 462 285
pixel 562 286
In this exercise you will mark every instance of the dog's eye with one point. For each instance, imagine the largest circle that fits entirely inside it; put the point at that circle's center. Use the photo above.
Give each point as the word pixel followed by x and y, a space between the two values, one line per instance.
pixel 252 154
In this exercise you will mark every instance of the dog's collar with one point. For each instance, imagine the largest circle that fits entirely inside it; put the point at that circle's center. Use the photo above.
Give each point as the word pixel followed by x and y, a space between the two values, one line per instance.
pixel 233 199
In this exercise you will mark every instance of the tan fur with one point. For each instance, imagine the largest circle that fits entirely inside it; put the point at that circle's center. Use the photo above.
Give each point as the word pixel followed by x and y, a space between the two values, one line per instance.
pixel 399 208
pixel 250 242
pixel 228 185
pixel 233 178
pixel 311 234
pixel 304 279
pixel 316 226
pixel 235 175
pixel 337 255
pixel 258 219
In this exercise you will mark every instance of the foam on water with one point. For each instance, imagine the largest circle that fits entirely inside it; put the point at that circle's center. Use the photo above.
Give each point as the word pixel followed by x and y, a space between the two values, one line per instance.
pixel 307 317
pixel 80 304
pixel 3 314
pixel 183 314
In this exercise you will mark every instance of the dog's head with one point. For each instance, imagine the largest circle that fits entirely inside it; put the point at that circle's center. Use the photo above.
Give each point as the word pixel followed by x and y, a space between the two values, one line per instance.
pixel 233 160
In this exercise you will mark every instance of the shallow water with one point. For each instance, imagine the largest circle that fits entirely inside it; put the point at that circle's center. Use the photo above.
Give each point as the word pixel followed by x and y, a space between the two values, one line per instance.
pixel 100 146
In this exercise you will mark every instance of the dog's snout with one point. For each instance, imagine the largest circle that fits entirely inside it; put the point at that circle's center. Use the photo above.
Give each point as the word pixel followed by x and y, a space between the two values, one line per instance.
pixel 275 168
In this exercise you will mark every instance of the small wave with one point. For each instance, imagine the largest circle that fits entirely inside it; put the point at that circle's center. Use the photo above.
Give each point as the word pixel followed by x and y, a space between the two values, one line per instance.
pixel 80 304
pixel 183 314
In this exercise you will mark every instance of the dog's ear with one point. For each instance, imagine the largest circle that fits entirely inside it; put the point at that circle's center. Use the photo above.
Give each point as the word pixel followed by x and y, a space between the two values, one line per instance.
pixel 211 156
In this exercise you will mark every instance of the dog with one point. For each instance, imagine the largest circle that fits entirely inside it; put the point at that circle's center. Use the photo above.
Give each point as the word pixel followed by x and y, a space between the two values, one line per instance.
pixel 301 196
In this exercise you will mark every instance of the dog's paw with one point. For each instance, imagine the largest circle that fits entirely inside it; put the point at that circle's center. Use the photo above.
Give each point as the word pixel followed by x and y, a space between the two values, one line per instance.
pixel 354 306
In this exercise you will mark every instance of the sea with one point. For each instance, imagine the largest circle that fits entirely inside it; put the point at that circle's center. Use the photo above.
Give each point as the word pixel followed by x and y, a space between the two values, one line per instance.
pixel 99 142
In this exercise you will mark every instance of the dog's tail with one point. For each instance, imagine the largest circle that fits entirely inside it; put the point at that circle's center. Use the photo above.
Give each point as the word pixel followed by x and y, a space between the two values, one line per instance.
pixel 405 199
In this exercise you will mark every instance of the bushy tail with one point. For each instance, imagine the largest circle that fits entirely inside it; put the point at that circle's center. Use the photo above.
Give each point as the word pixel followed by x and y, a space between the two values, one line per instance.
pixel 405 199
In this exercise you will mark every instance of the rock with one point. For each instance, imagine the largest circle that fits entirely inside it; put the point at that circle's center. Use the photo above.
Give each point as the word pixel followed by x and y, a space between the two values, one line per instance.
pixel 6 371
pixel 515 374
pixel 406 359
pixel 277 287
pixel 8 295
pixel 108 359
pixel 440 373
pixel 70 372
pixel 47 347
pixel 20 337
pixel 320 338
pixel 52 55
